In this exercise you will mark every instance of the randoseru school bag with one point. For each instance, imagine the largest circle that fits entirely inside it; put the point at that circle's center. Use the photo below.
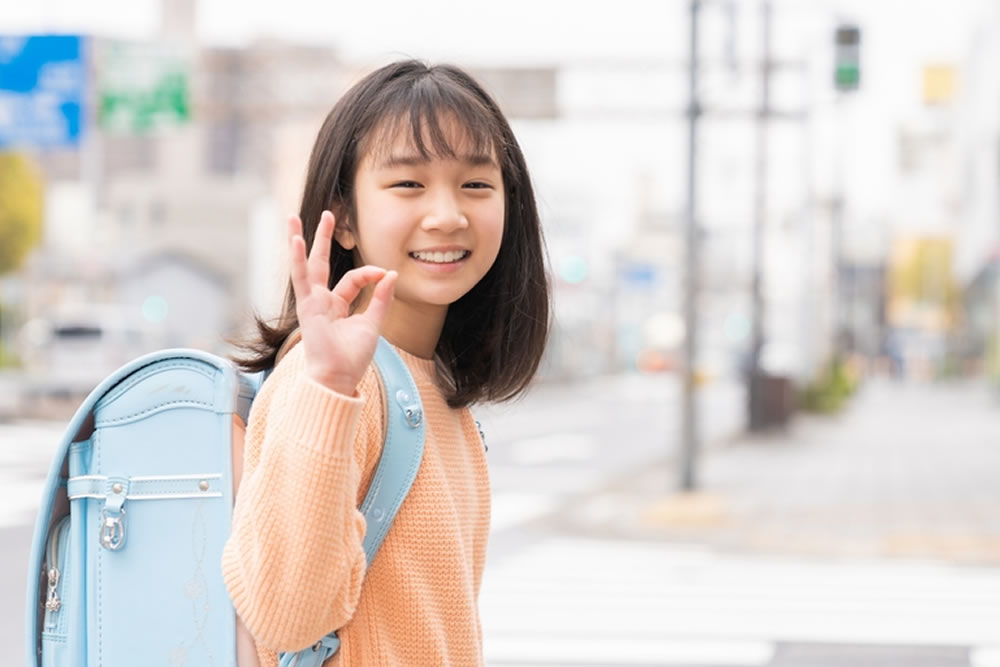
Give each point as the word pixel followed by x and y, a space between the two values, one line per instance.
pixel 125 567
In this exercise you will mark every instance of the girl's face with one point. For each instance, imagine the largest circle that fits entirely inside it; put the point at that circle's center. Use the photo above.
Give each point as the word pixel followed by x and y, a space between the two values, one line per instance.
pixel 437 221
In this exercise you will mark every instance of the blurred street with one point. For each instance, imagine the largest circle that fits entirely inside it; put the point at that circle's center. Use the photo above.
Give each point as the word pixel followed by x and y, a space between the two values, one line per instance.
pixel 869 538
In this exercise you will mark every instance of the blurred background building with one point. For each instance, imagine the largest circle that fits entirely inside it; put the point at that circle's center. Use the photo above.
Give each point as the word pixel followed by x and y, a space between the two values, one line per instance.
pixel 163 214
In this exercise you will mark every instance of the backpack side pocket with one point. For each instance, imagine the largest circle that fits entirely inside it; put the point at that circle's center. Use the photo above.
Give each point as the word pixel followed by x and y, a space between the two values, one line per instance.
pixel 55 637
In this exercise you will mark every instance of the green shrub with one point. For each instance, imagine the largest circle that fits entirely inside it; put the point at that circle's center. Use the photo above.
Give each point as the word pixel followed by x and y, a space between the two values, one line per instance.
pixel 829 391
pixel 7 356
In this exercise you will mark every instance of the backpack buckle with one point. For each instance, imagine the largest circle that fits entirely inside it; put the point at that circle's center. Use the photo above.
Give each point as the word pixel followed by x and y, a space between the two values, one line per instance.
pixel 113 514
pixel 112 530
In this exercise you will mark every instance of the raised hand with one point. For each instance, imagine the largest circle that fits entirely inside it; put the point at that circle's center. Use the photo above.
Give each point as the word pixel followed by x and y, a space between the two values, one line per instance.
pixel 338 346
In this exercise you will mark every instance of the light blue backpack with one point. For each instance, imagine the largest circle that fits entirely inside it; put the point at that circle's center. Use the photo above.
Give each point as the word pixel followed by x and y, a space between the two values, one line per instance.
pixel 125 566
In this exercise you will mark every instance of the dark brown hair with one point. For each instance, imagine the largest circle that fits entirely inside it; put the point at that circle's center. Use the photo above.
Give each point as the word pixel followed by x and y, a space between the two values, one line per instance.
pixel 493 336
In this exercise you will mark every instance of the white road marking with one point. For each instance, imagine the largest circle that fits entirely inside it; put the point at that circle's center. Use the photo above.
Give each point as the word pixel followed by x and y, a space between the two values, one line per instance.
pixel 26 451
pixel 629 651
pixel 659 597
pixel 511 508
pixel 985 656
pixel 555 447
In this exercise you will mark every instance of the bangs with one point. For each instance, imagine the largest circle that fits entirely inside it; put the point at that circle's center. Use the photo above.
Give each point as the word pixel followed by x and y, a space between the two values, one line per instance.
pixel 438 120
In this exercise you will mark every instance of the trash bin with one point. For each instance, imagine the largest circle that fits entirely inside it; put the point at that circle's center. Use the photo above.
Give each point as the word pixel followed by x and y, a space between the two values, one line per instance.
pixel 772 401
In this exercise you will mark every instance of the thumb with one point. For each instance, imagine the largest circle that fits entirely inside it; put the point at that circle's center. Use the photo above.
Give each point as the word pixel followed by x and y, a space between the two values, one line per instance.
pixel 381 299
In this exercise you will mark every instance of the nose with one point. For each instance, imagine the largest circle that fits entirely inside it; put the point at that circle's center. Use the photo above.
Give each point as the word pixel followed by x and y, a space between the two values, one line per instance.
pixel 445 214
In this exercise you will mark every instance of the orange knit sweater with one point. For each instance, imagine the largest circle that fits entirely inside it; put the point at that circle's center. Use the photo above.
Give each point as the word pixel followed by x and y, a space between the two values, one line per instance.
pixel 294 564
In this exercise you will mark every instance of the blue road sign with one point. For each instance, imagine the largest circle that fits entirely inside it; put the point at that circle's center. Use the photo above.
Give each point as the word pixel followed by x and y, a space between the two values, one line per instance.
pixel 42 86
pixel 640 275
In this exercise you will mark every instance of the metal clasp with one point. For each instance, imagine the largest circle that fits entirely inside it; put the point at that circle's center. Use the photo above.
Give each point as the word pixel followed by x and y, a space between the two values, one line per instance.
pixel 113 530
pixel 411 408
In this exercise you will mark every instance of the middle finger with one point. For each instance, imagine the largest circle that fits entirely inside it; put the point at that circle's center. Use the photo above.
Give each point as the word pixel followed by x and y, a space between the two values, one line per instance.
pixel 319 254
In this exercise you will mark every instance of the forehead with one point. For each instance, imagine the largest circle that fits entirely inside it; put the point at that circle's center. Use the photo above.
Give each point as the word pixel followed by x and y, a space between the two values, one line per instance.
pixel 424 139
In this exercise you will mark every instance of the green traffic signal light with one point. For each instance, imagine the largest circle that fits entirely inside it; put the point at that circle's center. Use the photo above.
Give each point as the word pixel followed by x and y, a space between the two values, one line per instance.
pixel 847 76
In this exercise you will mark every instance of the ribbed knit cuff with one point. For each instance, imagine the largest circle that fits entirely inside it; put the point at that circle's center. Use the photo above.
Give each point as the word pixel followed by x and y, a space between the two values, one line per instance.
pixel 318 417
pixel 234 576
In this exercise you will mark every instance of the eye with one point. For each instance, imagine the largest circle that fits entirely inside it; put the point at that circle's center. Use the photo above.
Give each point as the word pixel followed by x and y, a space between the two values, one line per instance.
pixel 478 185
pixel 406 184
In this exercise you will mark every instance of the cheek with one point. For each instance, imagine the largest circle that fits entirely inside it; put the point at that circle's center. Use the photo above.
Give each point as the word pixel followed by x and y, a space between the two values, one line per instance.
pixel 497 235
pixel 492 224
pixel 380 219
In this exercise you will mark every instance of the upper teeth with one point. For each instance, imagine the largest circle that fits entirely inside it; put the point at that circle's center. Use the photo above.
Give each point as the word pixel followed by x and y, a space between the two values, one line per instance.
pixel 440 257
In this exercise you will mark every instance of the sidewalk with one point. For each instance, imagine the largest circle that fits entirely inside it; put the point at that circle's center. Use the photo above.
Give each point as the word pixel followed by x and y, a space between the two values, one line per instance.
pixel 907 470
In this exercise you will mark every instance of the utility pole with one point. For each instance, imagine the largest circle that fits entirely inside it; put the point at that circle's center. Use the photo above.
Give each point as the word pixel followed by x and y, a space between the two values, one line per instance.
pixel 846 79
pixel 689 422
pixel 763 115
pixel 755 380
pixel 838 277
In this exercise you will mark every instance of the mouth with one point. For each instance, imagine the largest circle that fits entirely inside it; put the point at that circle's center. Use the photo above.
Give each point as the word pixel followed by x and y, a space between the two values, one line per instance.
pixel 440 257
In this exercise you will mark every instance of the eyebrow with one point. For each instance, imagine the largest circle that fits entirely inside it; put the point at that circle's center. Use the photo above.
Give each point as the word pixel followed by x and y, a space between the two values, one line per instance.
pixel 412 160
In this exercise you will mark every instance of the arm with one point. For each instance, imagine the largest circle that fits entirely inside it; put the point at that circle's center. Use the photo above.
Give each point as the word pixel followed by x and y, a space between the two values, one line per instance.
pixel 294 561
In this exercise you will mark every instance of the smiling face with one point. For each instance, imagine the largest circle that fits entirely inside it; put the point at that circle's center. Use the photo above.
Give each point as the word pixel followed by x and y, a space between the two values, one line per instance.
pixel 437 220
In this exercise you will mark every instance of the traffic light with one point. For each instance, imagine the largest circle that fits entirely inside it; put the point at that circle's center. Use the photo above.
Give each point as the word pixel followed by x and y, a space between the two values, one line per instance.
pixel 847 59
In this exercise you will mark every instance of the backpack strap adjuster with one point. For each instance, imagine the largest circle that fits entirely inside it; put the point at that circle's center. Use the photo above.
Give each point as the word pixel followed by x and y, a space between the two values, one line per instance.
pixel 112 535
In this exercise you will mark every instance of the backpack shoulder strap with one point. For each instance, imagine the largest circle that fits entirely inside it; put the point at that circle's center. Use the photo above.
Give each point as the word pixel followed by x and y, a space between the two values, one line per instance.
pixel 401 452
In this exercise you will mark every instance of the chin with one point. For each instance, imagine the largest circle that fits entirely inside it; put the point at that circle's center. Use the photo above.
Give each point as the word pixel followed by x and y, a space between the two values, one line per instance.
pixel 433 294
pixel 444 298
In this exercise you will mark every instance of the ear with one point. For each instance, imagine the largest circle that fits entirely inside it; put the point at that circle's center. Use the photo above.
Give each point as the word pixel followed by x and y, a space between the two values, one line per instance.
pixel 345 237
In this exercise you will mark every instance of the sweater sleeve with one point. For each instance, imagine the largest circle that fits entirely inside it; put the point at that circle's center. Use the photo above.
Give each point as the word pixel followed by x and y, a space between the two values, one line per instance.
pixel 294 562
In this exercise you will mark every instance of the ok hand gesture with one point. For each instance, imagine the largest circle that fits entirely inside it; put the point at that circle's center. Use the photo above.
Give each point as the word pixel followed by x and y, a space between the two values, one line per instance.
pixel 338 346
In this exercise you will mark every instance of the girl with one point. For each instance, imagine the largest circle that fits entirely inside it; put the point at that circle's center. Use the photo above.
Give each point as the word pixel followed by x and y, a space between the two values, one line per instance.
pixel 418 222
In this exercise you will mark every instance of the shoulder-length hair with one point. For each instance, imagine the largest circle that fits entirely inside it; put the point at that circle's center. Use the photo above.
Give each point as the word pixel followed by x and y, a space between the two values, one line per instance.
pixel 493 336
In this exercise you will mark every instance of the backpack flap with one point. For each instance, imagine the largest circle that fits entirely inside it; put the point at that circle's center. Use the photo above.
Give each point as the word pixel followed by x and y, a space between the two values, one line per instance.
pixel 150 491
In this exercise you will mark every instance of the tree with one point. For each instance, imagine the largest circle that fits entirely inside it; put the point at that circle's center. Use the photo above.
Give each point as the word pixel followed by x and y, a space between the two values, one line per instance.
pixel 20 209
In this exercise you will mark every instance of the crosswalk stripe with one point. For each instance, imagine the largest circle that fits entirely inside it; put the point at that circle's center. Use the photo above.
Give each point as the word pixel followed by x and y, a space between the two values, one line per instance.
pixel 26 450
pixel 627 651
pixel 985 656
pixel 572 591
pixel 511 508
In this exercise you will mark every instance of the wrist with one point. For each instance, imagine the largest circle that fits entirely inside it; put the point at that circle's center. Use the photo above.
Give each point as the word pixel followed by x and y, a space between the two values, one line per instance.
pixel 338 384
